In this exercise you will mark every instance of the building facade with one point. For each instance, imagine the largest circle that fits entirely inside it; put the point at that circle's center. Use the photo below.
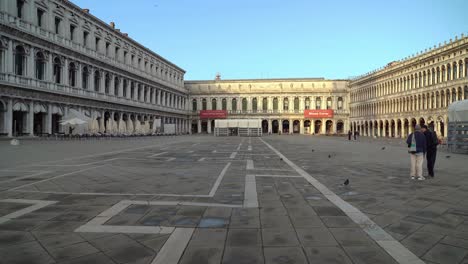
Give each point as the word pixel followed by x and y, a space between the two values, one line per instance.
pixel 55 56
pixel 389 102
pixel 281 104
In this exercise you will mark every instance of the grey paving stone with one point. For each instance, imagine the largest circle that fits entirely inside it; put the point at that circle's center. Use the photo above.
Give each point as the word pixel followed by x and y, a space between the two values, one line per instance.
pixel 445 254
pixel 131 254
pixel 328 211
pixel 53 240
pixel 98 258
pixel 304 222
pixel 155 243
pixel 21 225
pixel 243 255
pixel 58 226
pixel 250 221
pixel 321 254
pixel 420 242
pixel 208 237
pixel 402 229
pixel 284 255
pixel 279 237
pixel 29 252
pixel 338 221
pixel 351 237
pixel 196 255
pixel 14 237
pixel 279 221
pixel 368 254
pixel 457 242
pixel 72 251
pixel 244 238
pixel 316 237
pixel 116 241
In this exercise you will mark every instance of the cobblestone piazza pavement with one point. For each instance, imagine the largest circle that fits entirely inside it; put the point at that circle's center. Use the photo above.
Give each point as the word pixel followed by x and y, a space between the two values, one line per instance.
pixel 208 200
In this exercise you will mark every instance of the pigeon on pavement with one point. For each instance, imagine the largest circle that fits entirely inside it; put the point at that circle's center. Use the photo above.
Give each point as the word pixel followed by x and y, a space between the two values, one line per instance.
pixel 346 183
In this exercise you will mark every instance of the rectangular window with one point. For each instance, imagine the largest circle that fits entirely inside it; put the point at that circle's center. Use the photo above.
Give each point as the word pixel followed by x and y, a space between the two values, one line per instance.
pixel 116 55
pixel 97 44
pixel 57 25
pixel 72 32
pixel 125 57
pixel 19 8
pixel 85 38
pixel 40 17
pixel 107 48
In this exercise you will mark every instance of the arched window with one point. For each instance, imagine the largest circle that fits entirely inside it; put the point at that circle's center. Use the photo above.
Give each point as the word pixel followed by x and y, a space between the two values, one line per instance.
pixel 72 74
pixel 275 104
pixel 138 96
pixel 214 104
pixel 265 104
pixel 454 70
pixel 318 103
pixel 204 104
pixel 307 103
pixel 285 104
pixel 57 70
pixel 125 84
pixel 97 81
pixel 296 104
pixel 460 69
pixel 107 83
pixel 20 8
pixel 254 104
pixel 224 104
pixel 194 105
pixel 20 61
pixel 443 74
pixel 244 104
pixel 84 78
pixel 234 104
pixel 449 72
pixel 116 86
pixel 329 103
pixel 340 103
pixel 40 66
pixel 132 91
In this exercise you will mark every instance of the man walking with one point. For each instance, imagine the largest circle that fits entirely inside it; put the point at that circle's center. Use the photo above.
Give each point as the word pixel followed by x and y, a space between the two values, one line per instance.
pixel 431 142
pixel 349 134
pixel 417 148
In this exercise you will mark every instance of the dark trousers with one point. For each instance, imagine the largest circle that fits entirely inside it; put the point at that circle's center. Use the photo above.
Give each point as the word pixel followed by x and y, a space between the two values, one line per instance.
pixel 431 158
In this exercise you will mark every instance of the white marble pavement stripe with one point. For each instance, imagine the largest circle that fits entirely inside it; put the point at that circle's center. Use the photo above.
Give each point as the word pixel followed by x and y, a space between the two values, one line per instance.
pixel 36 205
pixel 233 155
pixel 174 247
pixel 250 193
pixel 25 177
pixel 218 180
pixel 388 243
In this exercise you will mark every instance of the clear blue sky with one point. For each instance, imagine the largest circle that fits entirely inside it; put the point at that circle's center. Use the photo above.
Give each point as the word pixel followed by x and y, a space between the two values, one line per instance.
pixel 283 38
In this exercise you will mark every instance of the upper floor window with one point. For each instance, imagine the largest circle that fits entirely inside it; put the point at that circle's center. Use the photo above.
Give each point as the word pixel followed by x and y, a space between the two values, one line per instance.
pixel 213 104
pixel 40 65
pixel 85 77
pixel 57 70
pixel 286 104
pixel 224 104
pixel 318 103
pixel 98 40
pixel 97 80
pixel 275 104
pixel 340 103
pixel 85 38
pixel 124 92
pixel 107 49
pixel 40 17
pixel 72 32
pixel 58 21
pixel 254 104
pixel 194 105
pixel 117 51
pixel 125 56
pixel 307 103
pixel 296 103
pixel 20 61
pixel 19 8
pixel 234 104
pixel 329 103
pixel 204 104
pixel 72 74
pixel 264 104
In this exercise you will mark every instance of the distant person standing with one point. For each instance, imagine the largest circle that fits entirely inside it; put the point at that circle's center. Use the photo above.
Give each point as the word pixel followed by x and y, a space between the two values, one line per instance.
pixel 355 134
pixel 349 134
pixel 417 149
pixel 431 143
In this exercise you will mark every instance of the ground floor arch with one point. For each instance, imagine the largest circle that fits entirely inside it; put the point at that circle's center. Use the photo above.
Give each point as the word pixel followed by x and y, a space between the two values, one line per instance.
pixel 275 126
pixel 265 126
pixel 285 127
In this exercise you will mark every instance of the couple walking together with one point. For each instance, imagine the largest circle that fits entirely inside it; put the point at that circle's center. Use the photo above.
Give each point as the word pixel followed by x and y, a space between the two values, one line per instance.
pixel 422 143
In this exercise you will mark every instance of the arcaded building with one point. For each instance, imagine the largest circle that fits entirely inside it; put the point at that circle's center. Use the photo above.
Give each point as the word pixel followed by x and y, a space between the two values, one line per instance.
pixel 285 106
pixel 55 56
pixel 388 102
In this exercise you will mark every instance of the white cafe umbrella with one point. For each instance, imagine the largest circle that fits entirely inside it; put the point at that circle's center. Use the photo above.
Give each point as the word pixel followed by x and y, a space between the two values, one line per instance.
pixel 73 121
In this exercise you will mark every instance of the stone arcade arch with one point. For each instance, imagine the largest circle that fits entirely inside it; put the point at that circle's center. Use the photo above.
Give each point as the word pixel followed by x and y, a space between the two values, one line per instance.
pixel 285 127
pixel 265 126
pixel 318 126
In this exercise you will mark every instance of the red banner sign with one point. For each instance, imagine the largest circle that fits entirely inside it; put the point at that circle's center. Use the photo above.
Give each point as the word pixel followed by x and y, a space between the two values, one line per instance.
pixel 213 114
pixel 328 113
